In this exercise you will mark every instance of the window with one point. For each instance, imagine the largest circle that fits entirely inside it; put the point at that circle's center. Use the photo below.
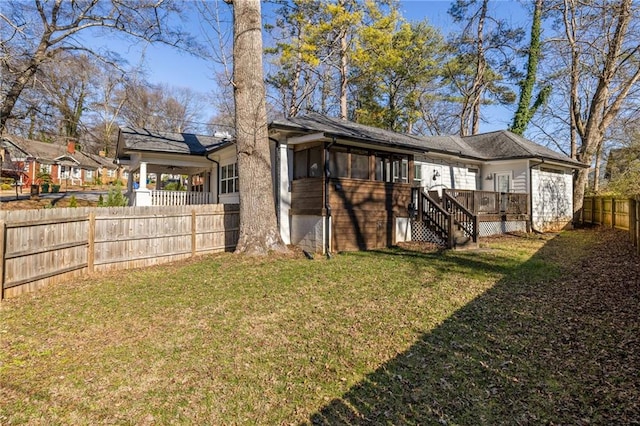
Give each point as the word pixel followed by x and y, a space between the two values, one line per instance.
pixel 359 165
pixel 382 169
pixel 400 170
pixel 75 172
pixel 45 168
pixel 417 173
pixel 229 179
pixel 111 173
pixel 88 174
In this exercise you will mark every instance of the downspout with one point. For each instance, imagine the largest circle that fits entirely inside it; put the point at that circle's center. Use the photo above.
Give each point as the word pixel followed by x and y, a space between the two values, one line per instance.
pixel 277 180
pixel 531 196
pixel 217 177
pixel 327 206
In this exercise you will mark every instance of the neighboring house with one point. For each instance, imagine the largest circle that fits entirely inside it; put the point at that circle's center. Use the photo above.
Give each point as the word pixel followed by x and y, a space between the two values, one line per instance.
pixel 108 171
pixel 339 185
pixel 64 164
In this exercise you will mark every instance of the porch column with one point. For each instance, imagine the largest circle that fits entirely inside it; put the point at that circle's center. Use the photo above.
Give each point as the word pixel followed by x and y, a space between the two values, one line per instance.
pixel 285 193
pixel 143 195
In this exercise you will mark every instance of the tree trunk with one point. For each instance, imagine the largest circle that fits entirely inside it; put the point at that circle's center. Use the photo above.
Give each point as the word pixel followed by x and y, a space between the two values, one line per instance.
pixel 259 232
pixel 481 68
pixel 604 106
pixel 344 79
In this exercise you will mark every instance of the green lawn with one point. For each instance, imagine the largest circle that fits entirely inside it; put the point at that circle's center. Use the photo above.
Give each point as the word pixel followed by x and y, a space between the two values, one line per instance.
pixel 525 330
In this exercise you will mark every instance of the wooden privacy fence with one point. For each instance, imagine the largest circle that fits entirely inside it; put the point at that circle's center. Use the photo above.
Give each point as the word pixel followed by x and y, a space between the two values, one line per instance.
pixel 42 247
pixel 615 213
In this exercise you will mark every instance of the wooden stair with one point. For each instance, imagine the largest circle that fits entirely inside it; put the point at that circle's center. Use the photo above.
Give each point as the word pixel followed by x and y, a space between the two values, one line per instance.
pixel 447 221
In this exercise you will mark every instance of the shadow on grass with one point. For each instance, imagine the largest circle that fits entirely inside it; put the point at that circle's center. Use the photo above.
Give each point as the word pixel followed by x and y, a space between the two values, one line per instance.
pixel 528 351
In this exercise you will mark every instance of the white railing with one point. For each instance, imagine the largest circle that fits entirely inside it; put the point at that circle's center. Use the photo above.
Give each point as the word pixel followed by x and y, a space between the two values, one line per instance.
pixel 181 198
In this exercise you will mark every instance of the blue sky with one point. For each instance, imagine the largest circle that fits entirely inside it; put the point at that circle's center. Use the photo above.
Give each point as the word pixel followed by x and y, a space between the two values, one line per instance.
pixel 165 65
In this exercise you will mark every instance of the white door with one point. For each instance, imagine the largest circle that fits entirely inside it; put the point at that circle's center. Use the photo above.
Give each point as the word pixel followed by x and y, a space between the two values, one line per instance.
pixel 503 185
pixel 503 182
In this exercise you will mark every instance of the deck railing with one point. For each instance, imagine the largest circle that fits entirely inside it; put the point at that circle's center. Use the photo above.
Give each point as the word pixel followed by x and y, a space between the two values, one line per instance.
pixel 488 202
pixel 181 198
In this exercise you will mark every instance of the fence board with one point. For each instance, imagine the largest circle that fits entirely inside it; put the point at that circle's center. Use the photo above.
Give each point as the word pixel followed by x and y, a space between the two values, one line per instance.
pixel 616 213
pixel 43 247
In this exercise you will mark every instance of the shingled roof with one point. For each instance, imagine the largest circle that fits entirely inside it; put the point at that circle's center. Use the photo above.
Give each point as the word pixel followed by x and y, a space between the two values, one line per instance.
pixel 505 145
pixel 501 145
pixel 343 129
pixel 131 139
pixel 49 153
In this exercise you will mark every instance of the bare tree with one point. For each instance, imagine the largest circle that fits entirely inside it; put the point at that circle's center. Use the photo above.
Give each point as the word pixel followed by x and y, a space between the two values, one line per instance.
pixel 37 32
pixel 603 44
pixel 258 225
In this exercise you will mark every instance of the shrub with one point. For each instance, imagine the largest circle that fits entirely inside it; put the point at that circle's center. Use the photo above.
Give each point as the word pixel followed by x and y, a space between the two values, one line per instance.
pixel 43 177
pixel 115 198
pixel 73 202
pixel 6 186
pixel 174 186
pixel 44 188
pixel 55 188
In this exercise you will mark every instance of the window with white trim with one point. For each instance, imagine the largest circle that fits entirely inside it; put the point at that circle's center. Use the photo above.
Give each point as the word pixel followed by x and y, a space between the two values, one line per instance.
pixel 417 173
pixel 229 179
pixel 45 168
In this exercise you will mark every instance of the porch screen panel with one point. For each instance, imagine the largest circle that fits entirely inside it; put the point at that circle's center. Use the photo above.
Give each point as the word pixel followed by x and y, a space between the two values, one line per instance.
pixel 338 164
pixel 359 165
pixel 315 162
pixel 300 164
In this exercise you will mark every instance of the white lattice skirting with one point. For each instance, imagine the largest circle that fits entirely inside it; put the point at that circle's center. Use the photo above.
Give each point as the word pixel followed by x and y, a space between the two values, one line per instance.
pixel 420 232
pixel 503 227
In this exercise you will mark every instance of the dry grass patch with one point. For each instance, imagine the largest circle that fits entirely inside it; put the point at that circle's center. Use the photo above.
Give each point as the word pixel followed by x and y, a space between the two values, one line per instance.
pixel 234 340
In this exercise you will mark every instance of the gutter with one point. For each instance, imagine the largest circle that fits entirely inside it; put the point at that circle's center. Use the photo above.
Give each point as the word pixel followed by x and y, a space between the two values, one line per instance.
pixel 277 180
pixel 217 175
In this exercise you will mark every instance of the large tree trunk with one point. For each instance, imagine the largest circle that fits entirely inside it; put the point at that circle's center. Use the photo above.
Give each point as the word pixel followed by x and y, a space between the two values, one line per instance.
pixel 258 225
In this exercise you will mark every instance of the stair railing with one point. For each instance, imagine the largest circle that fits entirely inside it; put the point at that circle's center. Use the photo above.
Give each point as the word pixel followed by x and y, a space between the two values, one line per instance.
pixel 462 217
pixel 433 215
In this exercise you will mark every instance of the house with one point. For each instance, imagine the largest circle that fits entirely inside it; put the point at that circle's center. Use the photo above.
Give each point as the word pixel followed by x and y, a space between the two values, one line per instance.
pixel 208 162
pixel 64 164
pixel 340 185
pixel 108 171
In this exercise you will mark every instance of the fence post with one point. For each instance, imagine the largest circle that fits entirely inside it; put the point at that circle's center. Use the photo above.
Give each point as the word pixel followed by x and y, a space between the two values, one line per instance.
pixel 637 227
pixel 91 238
pixel 3 249
pixel 632 220
pixel 193 233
